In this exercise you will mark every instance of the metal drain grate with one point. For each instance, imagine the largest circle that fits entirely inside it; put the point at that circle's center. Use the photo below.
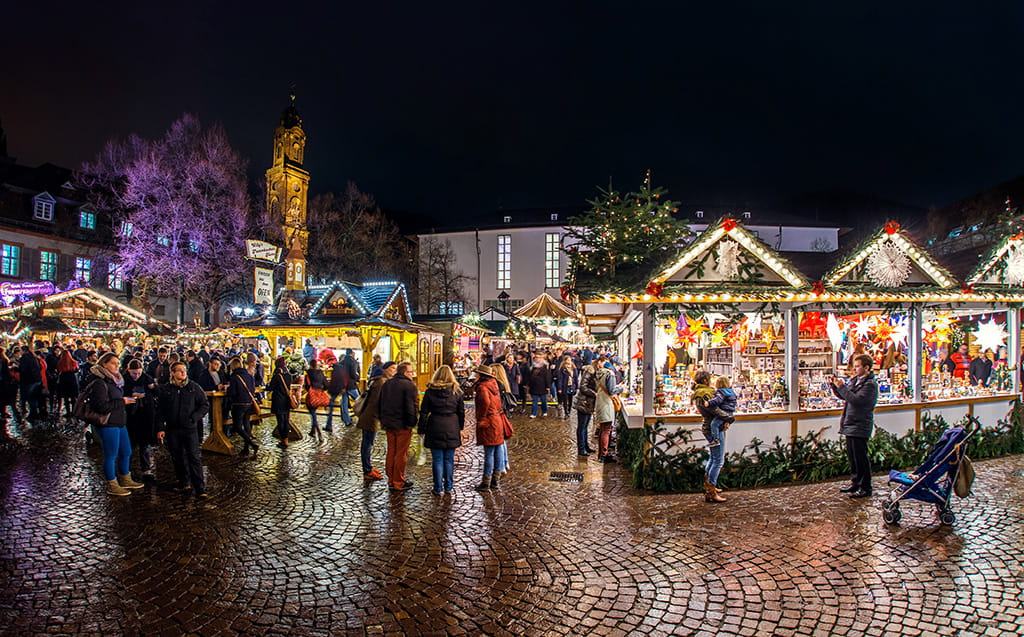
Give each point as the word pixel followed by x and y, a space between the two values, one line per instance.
pixel 566 476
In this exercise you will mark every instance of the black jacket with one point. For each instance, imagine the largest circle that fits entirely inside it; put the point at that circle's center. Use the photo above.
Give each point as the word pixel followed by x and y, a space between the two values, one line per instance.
pixel 442 417
pixel 861 395
pixel 344 375
pixel 30 369
pixel 206 380
pixel 540 381
pixel 398 403
pixel 280 391
pixel 181 407
pixel 107 398
pixel 160 371
pixel 196 369
pixel 315 379
pixel 981 369
pixel 241 388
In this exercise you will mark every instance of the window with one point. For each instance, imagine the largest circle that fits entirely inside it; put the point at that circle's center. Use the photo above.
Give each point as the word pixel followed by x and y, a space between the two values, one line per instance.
pixel 42 207
pixel 164 240
pixel 746 215
pixel 9 266
pixel 83 269
pixel 508 219
pixel 159 310
pixel 700 214
pixel 451 308
pixel 87 219
pixel 504 261
pixel 554 216
pixel 126 229
pixel 115 276
pixel 552 252
pixel 47 265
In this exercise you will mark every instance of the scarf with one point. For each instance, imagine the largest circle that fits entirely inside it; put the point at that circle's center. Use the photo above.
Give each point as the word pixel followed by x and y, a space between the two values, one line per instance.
pixel 101 372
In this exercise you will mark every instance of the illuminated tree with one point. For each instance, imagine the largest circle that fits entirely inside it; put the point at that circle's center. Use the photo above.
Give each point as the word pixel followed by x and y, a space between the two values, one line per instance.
pixel 630 229
pixel 180 209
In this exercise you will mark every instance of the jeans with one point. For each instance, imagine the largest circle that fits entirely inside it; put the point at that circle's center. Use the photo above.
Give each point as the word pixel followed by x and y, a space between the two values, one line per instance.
pixel 398 456
pixel 443 466
pixel 565 401
pixel 242 425
pixel 717 453
pixel 539 402
pixel 283 424
pixel 345 416
pixel 188 464
pixel 490 459
pixel 501 460
pixel 31 395
pixel 582 425
pixel 117 449
pixel 860 464
pixel 365 447
pixel 313 427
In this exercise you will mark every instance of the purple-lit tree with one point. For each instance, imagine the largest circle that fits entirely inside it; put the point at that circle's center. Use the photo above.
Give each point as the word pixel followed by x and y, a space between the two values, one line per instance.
pixel 180 210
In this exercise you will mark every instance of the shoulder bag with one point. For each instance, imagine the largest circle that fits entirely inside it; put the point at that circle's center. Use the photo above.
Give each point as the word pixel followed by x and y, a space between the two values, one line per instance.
pixel 84 412
pixel 616 401
pixel 255 403
pixel 293 400
pixel 316 398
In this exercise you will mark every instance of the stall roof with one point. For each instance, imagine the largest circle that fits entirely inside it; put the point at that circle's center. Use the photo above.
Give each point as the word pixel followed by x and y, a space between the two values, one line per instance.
pixel 545 306
pixel 87 293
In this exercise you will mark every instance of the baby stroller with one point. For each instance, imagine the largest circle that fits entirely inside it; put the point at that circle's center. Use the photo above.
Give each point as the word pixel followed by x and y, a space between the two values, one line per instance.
pixel 935 480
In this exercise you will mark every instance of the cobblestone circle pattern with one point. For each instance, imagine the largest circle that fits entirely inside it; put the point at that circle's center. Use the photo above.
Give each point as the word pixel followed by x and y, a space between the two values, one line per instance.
pixel 294 543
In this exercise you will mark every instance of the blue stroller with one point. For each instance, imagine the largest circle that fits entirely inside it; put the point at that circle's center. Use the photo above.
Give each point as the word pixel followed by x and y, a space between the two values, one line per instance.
pixel 934 481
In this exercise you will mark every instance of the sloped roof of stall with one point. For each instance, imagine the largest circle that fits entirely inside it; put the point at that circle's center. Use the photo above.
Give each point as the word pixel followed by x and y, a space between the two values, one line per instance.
pixel 545 306
pixel 344 303
pixel 850 269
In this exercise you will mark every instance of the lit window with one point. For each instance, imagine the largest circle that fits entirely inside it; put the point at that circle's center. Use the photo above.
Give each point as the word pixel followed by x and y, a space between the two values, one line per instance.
pixel 11 260
pixel 87 219
pixel 452 308
pixel 42 208
pixel 164 240
pixel 552 253
pixel 700 214
pixel 508 219
pixel 504 261
pixel 115 276
pixel 126 229
pixel 47 265
pixel 746 215
pixel 83 269
pixel 554 216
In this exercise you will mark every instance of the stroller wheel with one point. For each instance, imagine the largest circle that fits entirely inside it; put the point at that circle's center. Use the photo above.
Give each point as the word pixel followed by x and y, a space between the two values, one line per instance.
pixel 947 518
pixel 892 514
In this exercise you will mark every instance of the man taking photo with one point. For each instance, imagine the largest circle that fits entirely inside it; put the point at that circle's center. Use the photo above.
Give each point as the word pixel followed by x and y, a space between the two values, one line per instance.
pixel 860 393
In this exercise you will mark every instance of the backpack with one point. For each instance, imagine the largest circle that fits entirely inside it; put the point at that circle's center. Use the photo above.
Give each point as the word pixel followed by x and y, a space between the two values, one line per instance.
pixel 84 412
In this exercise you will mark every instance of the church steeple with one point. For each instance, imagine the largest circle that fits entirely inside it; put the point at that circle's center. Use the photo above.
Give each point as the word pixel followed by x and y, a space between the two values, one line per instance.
pixel 287 190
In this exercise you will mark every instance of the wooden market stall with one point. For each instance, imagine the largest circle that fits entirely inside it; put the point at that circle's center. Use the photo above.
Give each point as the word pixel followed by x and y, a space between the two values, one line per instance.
pixel 729 304
pixel 465 338
pixel 371 318
pixel 79 313
pixel 557 322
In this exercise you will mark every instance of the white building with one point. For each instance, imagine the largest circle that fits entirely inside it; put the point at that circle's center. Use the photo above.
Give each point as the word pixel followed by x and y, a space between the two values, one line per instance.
pixel 515 255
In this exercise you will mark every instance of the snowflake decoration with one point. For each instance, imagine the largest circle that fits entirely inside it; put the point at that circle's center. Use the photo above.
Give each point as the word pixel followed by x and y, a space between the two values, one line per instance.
pixel 990 335
pixel 1015 265
pixel 888 267
pixel 727 262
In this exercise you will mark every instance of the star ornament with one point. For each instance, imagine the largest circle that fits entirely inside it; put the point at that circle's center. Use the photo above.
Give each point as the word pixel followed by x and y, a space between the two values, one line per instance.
pixel 990 335
pixel 862 328
pixel 899 333
pixel 717 336
pixel 695 326
pixel 835 333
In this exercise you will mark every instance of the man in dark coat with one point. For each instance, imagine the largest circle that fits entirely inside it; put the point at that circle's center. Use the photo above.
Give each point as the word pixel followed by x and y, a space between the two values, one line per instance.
pixel 31 383
pixel 195 366
pixel 398 411
pixel 860 393
pixel 181 405
pixel 344 385
pixel 159 368
pixel 981 369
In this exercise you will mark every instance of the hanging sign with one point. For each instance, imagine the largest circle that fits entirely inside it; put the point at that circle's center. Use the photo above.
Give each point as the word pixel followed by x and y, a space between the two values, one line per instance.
pixel 28 288
pixel 262 251
pixel 263 286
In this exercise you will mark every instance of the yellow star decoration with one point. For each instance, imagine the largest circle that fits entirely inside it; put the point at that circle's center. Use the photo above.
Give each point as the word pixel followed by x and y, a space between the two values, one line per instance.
pixel 696 327
pixel 717 336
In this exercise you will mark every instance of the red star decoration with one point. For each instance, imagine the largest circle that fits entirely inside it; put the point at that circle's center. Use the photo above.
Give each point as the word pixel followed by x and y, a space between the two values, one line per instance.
pixel 728 224
pixel 654 288
pixel 892 227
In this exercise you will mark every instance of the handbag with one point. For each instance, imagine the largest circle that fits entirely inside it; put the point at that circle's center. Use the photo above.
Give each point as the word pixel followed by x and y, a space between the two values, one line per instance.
pixel 292 398
pixel 616 401
pixel 508 402
pixel 84 412
pixel 964 478
pixel 316 398
pixel 255 415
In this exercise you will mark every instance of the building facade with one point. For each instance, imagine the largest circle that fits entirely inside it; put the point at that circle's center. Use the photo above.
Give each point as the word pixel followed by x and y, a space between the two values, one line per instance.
pixel 519 254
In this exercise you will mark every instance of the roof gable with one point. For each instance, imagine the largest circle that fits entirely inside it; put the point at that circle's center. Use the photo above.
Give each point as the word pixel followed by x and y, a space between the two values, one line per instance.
pixel 889 259
pixel 1003 265
pixel 726 251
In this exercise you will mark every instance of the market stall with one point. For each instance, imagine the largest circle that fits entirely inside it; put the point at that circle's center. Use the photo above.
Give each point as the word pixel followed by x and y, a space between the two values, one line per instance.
pixel 731 305
pixel 464 339
pixel 372 318
pixel 79 313
pixel 552 320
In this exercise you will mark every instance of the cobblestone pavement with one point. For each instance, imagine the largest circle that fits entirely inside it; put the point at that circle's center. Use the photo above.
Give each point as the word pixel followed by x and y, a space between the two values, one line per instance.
pixel 294 543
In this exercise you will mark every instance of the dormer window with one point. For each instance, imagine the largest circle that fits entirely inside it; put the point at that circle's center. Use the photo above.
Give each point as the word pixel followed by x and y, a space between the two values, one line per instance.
pixel 42 207
pixel 554 216
pixel 746 215
pixel 700 214
pixel 508 219
pixel 87 219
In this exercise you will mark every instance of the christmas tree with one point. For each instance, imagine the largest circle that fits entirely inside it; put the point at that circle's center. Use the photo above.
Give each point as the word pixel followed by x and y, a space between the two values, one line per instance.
pixel 632 229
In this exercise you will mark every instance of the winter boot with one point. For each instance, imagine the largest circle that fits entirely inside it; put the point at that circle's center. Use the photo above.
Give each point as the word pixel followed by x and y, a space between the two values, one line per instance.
pixel 126 482
pixel 494 481
pixel 485 485
pixel 711 494
pixel 113 488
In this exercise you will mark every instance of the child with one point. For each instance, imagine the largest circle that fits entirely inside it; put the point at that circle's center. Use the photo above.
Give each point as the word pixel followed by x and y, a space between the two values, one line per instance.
pixel 723 404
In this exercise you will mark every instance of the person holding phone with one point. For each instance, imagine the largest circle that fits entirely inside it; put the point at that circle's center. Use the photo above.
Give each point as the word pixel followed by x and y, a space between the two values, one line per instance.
pixel 860 393
pixel 106 398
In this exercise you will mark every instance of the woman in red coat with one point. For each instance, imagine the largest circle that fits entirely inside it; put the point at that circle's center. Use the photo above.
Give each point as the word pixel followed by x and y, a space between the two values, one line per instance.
pixel 492 425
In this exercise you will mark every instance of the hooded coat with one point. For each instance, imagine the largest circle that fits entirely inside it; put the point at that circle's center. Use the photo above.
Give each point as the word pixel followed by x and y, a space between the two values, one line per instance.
pixel 492 425
pixel 442 417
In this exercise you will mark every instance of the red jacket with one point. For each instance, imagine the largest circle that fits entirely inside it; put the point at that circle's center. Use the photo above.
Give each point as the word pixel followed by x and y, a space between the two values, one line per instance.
pixel 963 364
pixel 492 425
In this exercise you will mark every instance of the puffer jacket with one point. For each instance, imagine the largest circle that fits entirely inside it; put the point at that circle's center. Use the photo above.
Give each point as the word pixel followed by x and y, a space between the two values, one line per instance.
pixel 492 425
pixel 442 417
pixel 369 417
pixel 398 403
pixel 861 395
pixel 540 380
pixel 105 397
pixel 587 391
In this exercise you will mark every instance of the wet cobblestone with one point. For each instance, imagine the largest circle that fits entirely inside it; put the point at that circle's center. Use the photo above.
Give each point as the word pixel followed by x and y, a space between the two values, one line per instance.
pixel 294 543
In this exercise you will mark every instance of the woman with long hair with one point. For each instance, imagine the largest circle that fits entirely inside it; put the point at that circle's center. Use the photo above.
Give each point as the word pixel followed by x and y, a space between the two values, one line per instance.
pixel 492 425
pixel 316 383
pixel 241 396
pixel 67 382
pixel 565 380
pixel 502 465
pixel 442 417
pixel 141 415
pixel 280 387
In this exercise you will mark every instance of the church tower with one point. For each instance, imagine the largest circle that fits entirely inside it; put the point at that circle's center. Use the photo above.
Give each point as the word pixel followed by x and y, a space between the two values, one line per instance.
pixel 287 190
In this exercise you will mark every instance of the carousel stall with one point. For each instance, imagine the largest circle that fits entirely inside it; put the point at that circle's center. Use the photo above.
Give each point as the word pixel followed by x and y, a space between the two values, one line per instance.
pixel 551 321
pixel 80 313
pixel 372 318
pixel 731 305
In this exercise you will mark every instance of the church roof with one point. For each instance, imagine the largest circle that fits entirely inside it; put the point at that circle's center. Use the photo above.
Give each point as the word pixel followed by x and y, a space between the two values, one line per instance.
pixel 290 116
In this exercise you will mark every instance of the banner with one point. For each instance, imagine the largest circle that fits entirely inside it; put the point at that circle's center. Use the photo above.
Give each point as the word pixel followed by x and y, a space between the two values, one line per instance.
pixel 263 286
pixel 262 251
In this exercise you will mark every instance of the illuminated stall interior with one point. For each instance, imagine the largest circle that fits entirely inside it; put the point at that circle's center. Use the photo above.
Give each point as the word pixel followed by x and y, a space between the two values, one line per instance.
pixel 464 339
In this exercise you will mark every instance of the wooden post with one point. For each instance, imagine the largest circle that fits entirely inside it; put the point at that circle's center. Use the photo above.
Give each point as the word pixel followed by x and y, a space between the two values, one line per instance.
pixel 915 350
pixel 1013 347
pixel 217 442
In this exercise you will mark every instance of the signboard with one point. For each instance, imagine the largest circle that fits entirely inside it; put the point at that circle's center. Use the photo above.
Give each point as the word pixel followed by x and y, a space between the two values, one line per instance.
pixel 262 251
pixel 28 288
pixel 263 286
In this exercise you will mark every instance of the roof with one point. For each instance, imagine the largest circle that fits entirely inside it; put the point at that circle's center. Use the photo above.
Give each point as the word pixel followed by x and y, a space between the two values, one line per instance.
pixel 344 303
pixel 545 305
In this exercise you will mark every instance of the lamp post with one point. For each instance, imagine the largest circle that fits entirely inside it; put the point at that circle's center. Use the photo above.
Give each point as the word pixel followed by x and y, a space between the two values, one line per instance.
pixel 503 297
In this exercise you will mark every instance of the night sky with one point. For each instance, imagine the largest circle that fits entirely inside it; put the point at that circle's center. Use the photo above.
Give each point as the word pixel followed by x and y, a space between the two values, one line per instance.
pixel 450 111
